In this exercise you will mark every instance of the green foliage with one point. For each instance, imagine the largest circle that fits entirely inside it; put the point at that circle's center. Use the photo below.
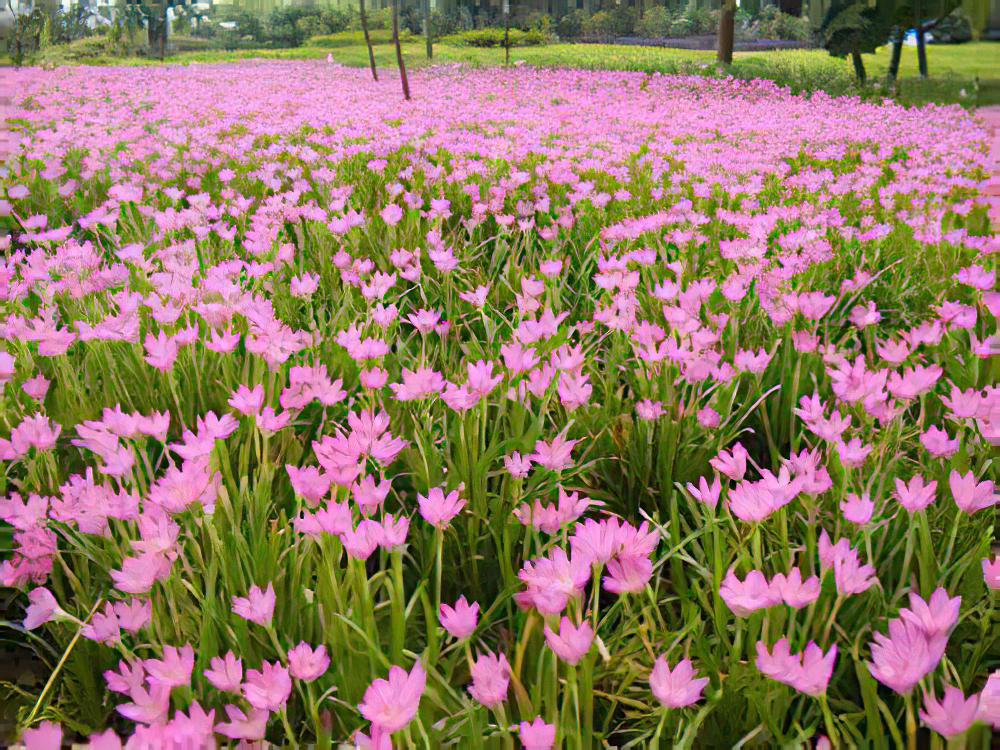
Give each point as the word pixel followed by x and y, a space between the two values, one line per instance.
pixel 955 28
pixel 601 25
pixel 570 26
pixel 655 22
pixel 773 24
pixel 493 37
pixel 852 27
pixel 94 50
pixel 352 38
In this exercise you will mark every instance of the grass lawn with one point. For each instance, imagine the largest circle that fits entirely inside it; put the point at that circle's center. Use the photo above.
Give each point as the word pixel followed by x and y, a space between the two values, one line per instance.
pixel 968 74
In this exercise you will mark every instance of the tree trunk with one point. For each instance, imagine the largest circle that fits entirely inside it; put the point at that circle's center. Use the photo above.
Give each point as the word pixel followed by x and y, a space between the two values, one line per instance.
pixel 897 52
pixel 368 39
pixel 859 67
pixel 506 32
pixel 399 50
pixel 727 23
pixel 921 51
pixel 427 29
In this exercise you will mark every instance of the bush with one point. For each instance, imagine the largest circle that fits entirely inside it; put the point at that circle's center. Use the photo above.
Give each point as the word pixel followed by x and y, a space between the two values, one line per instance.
pixel 354 38
pixel 773 24
pixel 379 19
pixel 536 21
pixel 703 21
pixel 599 26
pixel 452 22
pixel 623 20
pixel 570 26
pixel 186 43
pixel 493 37
pixel 655 23
pixel 955 28
pixel 246 25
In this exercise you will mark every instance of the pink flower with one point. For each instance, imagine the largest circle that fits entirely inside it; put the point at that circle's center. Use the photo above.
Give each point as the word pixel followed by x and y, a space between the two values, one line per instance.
pixel 308 664
pixel 257 606
pixel 225 673
pixel 969 495
pixel 309 483
pixel 391 214
pixel 267 689
pixel 537 735
pixel 989 701
pixel 857 509
pixel 952 715
pixel 991 573
pixel 460 621
pixel 247 401
pixel 556 455
pixel 747 596
pixel 46 736
pixel 677 687
pixel 490 679
pixel 706 493
pixel 174 669
pixel 250 726
pixel 732 463
pixel 808 672
pixel 903 657
pixel 439 509
pixel 516 466
pixel 936 617
pixel 708 418
pixel 572 642
pixel 147 706
pixel 628 574
pixel 391 704
pixel 915 495
pixel 794 592
pixel 938 444
pixel 42 607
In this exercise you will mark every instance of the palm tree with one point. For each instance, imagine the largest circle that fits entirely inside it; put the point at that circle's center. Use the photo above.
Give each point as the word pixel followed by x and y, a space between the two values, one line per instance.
pixel 368 39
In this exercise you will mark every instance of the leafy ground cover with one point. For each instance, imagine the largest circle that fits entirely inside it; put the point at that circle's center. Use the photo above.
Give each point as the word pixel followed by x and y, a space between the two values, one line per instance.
pixel 548 408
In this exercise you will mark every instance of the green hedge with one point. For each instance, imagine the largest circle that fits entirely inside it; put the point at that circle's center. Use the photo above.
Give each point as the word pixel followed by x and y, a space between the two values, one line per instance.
pixel 493 37
pixel 353 38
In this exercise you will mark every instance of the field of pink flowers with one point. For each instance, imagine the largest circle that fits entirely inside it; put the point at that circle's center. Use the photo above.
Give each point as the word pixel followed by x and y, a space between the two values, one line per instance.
pixel 549 409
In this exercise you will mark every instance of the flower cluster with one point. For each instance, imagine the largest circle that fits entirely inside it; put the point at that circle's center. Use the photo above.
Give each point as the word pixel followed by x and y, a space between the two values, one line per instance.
pixel 564 408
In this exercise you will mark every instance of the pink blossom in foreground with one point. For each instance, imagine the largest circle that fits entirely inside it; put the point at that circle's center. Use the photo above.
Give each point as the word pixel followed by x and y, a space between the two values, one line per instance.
pixel 537 735
pixel 808 672
pixel 460 620
pixel 392 703
pixel 677 687
pixel 257 606
pixel 953 714
pixel 307 663
pixel 490 679
pixel 572 642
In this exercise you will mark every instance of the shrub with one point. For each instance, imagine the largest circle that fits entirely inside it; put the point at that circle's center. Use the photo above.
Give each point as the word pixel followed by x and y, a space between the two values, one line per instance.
pixel 493 37
pixel 655 22
pixel 354 38
pixel 570 26
pixel 703 21
pixel 623 20
pixel 955 28
pixel 773 24
pixel 452 22
pixel 599 26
